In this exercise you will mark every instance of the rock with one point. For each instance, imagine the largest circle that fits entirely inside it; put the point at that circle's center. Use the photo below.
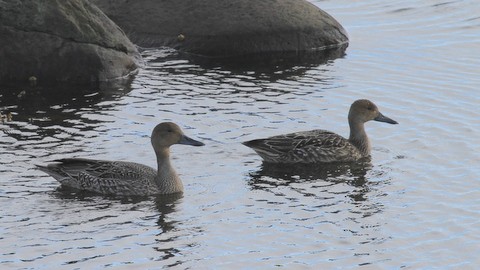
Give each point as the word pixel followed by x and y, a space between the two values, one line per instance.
pixel 61 40
pixel 219 28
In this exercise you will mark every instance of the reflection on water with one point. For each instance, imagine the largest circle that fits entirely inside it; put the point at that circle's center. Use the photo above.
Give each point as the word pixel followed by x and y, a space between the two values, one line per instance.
pixel 161 240
pixel 351 173
pixel 322 179
pixel 283 64
pixel 165 205
pixel 175 68
pixel 166 236
pixel 56 102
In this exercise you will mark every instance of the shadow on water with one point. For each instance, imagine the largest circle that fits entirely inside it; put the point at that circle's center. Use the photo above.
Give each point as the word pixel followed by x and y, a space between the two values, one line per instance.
pixel 352 174
pixel 272 62
pixel 47 105
pixel 27 99
pixel 271 67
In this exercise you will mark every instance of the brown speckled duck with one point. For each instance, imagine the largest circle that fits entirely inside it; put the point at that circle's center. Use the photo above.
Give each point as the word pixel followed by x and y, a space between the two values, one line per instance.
pixel 322 146
pixel 126 178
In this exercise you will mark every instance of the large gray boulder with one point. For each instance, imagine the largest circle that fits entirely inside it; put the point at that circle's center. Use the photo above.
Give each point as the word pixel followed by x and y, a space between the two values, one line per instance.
pixel 226 27
pixel 61 40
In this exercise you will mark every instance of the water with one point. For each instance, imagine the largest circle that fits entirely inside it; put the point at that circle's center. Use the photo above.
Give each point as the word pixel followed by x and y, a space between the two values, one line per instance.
pixel 416 206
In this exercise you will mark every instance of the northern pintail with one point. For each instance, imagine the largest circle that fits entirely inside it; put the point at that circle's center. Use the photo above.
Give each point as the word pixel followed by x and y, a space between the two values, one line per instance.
pixel 126 178
pixel 322 146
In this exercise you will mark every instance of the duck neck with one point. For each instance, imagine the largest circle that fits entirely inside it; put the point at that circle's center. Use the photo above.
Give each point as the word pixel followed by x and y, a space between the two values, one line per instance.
pixel 358 137
pixel 166 179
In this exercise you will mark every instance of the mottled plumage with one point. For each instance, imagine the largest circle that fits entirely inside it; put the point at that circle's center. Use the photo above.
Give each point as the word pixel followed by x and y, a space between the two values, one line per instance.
pixel 305 147
pixel 125 178
pixel 322 146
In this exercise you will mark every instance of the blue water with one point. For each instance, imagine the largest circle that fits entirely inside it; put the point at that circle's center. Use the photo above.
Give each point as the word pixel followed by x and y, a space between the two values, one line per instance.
pixel 416 206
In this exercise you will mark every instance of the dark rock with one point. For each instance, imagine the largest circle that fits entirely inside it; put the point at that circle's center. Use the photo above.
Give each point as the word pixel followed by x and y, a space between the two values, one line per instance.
pixel 61 40
pixel 220 28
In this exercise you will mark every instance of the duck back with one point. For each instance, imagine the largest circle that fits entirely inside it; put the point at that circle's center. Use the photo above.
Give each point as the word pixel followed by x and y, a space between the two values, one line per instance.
pixel 106 177
pixel 314 146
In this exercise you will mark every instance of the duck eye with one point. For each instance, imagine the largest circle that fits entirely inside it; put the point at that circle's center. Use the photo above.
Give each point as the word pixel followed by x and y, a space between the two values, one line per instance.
pixel 370 108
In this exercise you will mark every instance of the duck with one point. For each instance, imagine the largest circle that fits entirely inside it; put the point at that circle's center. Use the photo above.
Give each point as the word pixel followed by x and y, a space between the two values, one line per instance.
pixel 122 177
pixel 323 146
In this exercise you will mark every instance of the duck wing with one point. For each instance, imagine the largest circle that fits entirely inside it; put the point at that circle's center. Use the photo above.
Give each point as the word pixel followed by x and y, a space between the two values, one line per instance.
pixel 314 146
pixel 102 176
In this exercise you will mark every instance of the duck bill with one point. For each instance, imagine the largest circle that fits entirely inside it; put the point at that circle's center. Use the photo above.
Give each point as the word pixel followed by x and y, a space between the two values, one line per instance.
pixel 189 141
pixel 383 118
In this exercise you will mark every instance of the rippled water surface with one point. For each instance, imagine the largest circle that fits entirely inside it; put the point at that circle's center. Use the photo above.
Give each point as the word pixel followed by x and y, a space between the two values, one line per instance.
pixel 416 206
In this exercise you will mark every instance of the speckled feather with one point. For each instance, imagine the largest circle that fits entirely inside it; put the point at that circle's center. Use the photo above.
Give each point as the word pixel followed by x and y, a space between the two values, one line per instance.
pixel 305 147
pixel 107 177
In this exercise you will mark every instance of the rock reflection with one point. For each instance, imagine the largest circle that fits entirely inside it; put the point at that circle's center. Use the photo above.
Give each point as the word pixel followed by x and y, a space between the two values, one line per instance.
pixel 271 67
pixel 46 106
pixel 270 63
pixel 27 100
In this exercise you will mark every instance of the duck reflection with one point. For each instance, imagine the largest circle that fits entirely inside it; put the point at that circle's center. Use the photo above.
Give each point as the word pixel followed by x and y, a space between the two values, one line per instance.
pixel 163 203
pixel 353 174
pixel 165 240
pixel 166 204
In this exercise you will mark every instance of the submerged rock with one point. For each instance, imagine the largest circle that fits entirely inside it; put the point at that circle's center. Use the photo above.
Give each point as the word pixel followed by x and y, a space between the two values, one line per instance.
pixel 219 28
pixel 61 40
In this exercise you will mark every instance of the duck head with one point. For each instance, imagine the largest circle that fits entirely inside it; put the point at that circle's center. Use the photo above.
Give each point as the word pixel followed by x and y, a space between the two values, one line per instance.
pixel 167 134
pixel 364 110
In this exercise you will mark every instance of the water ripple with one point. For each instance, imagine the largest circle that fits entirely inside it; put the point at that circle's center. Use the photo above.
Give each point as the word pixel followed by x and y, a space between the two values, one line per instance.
pixel 414 206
